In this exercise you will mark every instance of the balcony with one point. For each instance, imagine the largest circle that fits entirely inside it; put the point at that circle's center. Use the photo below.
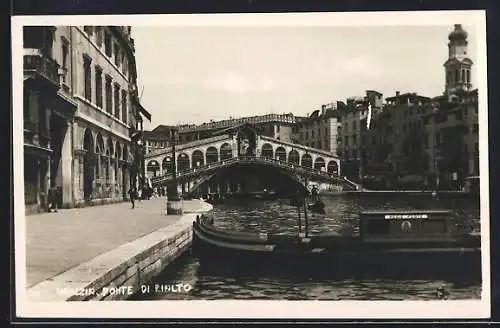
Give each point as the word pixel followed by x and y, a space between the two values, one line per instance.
pixel 41 67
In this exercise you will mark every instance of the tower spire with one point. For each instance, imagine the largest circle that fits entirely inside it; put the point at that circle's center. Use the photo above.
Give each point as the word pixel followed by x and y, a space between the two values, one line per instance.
pixel 458 65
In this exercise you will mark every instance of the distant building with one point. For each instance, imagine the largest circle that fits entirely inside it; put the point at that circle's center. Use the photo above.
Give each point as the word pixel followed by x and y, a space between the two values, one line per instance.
pixel 158 138
pixel 319 130
pixel 451 147
pixel 278 126
pixel 352 146
pixel 433 137
pixel 405 133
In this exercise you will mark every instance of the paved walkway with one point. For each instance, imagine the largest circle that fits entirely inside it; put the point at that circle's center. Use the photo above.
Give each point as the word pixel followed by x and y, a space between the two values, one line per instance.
pixel 56 242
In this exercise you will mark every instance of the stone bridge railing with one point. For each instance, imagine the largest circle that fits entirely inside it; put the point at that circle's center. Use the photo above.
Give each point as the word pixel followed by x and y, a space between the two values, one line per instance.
pixel 291 167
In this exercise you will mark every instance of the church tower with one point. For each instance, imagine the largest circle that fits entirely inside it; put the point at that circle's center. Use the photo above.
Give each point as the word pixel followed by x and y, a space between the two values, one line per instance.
pixel 458 66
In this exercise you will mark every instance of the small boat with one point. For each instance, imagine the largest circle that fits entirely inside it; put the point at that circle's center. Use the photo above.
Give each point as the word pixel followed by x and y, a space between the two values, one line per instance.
pixel 317 207
pixel 390 243
pixel 265 195
pixel 216 200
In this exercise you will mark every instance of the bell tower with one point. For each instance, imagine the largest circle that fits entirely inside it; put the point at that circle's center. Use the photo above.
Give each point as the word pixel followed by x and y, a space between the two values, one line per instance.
pixel 458 65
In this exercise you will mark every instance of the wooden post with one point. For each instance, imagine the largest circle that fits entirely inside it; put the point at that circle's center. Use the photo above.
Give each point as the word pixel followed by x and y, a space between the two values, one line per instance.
pixel 306 224
pixel 298 213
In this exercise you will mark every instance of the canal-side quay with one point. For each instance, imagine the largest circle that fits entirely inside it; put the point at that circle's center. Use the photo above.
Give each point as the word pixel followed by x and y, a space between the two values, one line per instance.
pixel 89 253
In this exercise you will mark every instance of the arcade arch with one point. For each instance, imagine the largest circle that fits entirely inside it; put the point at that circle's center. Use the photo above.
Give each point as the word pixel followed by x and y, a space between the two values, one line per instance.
pixel 182 162
pixel 88 163
pixel 267 151
pixel 152 168
pixel 197 158
pixel 226 151
pixel 212 155
pixel 293 157
pixel 319 163
pixel 281 154
pixel 332 167
pixel 306 161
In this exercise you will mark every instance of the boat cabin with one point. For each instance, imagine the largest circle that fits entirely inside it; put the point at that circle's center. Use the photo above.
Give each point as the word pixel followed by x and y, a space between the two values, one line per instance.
pixel 406 225
pixel 472 185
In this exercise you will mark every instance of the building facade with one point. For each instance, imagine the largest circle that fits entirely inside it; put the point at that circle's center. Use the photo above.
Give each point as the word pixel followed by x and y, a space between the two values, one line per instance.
pixel 436 138
pixel 320 130
pixel 354 137
pixel 81 114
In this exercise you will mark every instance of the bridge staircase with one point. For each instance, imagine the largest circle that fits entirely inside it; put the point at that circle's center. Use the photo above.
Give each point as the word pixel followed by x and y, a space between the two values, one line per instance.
pixel 351 185
pixel 198 182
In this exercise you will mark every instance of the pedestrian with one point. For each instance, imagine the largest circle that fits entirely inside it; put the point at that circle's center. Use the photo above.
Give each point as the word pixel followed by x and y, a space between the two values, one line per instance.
pixel 132 194
pixel 139 195
pixel 52 199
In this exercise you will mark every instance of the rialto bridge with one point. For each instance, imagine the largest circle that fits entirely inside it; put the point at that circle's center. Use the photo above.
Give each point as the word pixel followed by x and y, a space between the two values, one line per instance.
pixel 226 162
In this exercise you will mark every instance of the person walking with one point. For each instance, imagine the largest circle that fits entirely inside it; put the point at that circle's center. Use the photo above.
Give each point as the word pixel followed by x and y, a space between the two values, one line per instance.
pixel 132 194
pixel 52 198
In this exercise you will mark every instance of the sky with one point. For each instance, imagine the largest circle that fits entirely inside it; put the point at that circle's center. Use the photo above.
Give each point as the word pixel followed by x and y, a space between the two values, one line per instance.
pixel 192 74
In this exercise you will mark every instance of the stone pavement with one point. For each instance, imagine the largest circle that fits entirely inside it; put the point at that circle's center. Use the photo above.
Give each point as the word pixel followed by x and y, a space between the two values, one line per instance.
pixel 56 242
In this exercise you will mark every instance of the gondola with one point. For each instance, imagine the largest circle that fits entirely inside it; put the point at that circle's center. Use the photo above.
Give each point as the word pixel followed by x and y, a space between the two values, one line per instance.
pixel 317 206
pixel 400 243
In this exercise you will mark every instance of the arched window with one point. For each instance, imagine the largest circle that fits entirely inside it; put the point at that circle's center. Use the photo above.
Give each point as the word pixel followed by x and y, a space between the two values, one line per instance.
pixel 468 76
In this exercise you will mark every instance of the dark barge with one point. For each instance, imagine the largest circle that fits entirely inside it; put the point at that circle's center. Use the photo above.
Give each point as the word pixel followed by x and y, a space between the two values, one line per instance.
pixel 399 244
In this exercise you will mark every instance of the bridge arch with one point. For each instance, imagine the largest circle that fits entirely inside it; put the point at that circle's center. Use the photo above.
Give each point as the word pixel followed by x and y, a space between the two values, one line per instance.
pixel 319 163
pixel 182 162
pixel 281 154
pixel 212 155
pixel 226 152
pixel 246 174
pixel 197 158
pixel 332 167
pixel 306 161
pixel 294 157
pixel 267 151
pixel 152 168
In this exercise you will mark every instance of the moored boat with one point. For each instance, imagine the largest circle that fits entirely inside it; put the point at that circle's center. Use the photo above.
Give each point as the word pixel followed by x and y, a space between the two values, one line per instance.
pixel 398 243
pixel 317 206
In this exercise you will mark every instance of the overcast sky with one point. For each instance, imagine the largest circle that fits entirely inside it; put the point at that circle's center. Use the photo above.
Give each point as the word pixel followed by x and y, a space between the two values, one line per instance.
pixel 191 74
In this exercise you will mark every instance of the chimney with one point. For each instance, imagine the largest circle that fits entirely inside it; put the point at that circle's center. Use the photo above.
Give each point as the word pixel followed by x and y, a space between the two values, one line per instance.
pixel 323 109
pixel 397 93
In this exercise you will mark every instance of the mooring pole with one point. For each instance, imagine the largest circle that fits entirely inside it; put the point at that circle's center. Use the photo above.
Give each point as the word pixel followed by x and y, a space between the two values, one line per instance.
pixel 298 213
pixel 306 224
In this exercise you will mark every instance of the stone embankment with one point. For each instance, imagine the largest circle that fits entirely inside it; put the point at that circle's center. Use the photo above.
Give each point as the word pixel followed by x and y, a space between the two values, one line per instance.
pixel 113 274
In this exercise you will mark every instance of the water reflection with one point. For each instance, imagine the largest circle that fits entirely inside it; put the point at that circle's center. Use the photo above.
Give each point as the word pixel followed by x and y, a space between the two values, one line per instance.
pixel 341 216
pixel 341 212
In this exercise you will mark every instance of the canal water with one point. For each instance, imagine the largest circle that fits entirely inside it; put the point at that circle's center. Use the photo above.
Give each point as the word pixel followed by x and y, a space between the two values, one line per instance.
pixel 278 216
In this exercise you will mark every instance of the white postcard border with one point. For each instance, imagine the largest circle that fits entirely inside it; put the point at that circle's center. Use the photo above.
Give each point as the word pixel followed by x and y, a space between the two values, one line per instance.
pixel 253 309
